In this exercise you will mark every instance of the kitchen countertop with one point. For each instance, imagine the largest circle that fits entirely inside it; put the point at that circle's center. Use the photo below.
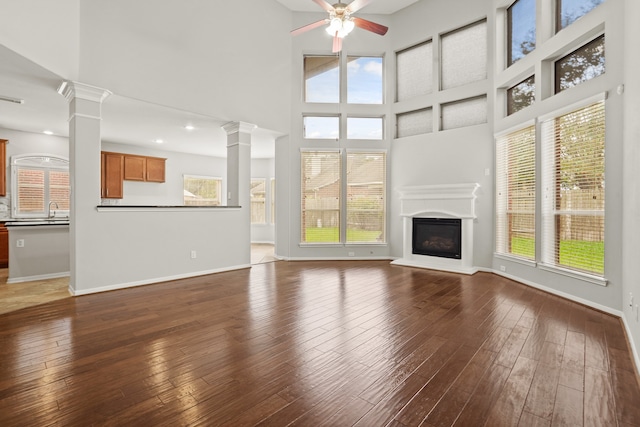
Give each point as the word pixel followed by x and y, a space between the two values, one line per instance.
pixel 35 222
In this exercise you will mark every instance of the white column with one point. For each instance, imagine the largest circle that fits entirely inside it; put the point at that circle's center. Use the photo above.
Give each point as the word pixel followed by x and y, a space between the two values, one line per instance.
pixel 84 169
pixel 239 177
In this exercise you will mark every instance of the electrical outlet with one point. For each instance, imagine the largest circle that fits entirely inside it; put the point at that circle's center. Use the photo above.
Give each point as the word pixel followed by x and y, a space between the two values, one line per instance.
pixel 503 268
pixel 194 254
pixel 20 243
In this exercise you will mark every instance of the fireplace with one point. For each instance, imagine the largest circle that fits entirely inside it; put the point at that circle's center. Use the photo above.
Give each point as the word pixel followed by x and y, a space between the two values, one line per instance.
pixel 439 237
pixel 437 227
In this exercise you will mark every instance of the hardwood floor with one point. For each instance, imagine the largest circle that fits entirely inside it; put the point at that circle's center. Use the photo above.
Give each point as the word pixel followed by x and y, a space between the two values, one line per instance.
pixel 317 344
pixel 16 296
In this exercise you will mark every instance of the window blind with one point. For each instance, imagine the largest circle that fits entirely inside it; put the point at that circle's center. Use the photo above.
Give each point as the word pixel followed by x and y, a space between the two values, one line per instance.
pixel 366 183
pixel 464 55
pixel 467 112
pixel 414 67
pixel 516 193
pixel 414 122
pixel 573 172
pixel 320 210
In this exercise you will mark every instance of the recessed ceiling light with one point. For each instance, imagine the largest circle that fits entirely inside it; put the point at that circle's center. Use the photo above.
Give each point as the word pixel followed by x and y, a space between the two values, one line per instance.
pixel 47 132
pixel 189 127
pixel 158 141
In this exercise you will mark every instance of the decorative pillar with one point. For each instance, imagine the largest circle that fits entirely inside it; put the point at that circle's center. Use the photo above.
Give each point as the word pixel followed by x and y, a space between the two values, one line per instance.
pixel 84 170
pixel 239 178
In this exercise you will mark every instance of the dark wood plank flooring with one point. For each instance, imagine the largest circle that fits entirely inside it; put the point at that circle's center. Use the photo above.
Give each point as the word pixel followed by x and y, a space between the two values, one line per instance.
pixel 317 344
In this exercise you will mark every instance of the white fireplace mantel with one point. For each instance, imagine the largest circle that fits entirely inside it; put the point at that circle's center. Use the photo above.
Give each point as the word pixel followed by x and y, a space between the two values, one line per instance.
pixel 439 201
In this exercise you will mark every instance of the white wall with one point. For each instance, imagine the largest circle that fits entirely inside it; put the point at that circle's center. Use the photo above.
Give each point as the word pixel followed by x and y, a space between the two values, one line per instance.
pixel 44 31
pixel 169 192
pixel 264 169
pixel 225 59
pixel 631 176
pixel 445 157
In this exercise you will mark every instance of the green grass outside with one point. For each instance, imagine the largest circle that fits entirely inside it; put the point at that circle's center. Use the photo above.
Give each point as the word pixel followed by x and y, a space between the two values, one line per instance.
pixel 332 235
pixel 588 256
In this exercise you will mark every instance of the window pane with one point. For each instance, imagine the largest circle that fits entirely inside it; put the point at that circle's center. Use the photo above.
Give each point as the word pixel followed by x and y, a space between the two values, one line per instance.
pixel 516 193
pixel 320 197
pixel 570 10
pixel 364 127
pixel 574 203
pixel 59 189
pixel 464 55
pixel 414 122
pixel 365 197
pixel 201 191
pixel 364 80
pixel 322 79
pixel 415 71
pixel 31 190
pixel 273 201
pixel 521 95
pixel 321 127
pixel 585 63
pixel 521 37
pixel 257 197
pixel 463 113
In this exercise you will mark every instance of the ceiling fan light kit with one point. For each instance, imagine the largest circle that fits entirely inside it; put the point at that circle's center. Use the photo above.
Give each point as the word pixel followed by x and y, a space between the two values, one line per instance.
pixel 341 22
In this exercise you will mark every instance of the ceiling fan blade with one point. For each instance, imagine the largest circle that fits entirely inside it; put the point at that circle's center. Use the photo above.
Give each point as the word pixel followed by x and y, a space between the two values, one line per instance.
pixel 323 4
pixel 356 5
pixel 370 26
pixel 308 27
pixel 337 43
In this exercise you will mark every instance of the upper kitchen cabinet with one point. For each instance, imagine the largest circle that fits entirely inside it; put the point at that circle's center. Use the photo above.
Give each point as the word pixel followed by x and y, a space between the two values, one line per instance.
pixel 112 174
pixel 144 168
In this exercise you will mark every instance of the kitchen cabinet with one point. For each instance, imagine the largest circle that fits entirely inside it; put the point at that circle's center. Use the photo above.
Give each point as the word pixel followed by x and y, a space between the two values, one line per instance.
pixel 3 167
pixel 112 174
pixel 143 168
pixel 155 169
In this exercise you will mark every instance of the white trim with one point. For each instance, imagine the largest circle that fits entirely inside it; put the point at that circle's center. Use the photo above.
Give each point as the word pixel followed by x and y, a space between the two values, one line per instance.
pixel 120 208
pixel 632 344
pixel 39 277
pixel 518 260
pixel 347 258
pixel 236 127
pixel 433 266
pixel 262 242
pixel 602 96
pixel 71 89
pixel 83 116
pixel 585 277
pixel 516 128
pixel 157 280
pixel 565 295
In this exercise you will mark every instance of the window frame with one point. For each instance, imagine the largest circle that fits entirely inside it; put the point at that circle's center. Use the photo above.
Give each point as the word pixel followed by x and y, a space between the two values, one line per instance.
pixel 46 200
pixel 257 202
pixel 217 180
pixel 556 78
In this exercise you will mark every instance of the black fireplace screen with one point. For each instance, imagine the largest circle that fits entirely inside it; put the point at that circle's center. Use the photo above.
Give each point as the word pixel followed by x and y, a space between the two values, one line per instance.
pixel 441 237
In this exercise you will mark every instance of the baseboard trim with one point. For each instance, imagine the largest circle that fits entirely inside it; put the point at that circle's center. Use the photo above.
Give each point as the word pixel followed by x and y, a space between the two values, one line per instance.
pixel 349 258
pixel 38 277
pixel 156 280
pixel 448 269
pixel 632 344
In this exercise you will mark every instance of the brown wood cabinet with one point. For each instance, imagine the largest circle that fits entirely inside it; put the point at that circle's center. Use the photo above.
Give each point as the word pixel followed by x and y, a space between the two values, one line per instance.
pixel 155 169
pixel 112 175
pixel 3 167
pixel 135 168
pixel 4 246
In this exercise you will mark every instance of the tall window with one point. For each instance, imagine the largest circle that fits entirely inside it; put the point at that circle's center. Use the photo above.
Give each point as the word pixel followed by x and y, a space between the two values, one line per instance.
pixel 202 190
pixel 366 197
pixel 40 186
pixel 464 55
pixel 584 63
pixel 521 29
pixel 521 95
pixel 322 79
pixel 414 68
pixel 567 11
pixel 258 201
pixel 364 80
pixel 273 200
pixel 321 185
pixel 516 193
pixel 573 173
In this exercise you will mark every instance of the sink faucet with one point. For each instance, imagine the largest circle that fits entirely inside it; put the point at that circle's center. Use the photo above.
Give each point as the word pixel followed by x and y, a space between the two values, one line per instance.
pixel 52 203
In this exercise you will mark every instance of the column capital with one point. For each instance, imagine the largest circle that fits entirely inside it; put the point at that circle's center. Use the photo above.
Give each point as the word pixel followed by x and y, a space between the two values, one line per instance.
pixel 235 127
pixel 70 90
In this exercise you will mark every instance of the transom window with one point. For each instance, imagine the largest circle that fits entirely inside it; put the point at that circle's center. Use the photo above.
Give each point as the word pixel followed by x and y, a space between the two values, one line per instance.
pixel 521 95
pixel 585 63
pixel 521 32
pixel 568 11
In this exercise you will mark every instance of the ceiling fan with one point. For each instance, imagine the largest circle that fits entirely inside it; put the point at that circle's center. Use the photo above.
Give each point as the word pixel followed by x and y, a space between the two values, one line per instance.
pixel 341 22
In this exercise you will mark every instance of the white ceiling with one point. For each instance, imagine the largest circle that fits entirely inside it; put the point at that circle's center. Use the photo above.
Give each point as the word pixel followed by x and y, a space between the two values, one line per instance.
pixel 124 120
pixel 382 7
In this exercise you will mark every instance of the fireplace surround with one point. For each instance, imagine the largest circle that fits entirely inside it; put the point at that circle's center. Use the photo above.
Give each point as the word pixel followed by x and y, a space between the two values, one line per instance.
pixel 439 204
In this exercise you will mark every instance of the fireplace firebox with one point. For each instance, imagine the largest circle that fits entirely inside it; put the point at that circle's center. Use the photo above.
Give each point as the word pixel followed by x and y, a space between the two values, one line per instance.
pixel 439 237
